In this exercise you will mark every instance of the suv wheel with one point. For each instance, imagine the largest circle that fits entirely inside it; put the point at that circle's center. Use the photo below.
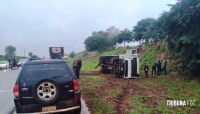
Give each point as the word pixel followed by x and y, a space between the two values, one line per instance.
pixel 46 92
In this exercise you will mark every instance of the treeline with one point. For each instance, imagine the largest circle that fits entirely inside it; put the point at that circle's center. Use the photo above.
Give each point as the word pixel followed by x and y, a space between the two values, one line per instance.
pixel 10 52
pixel 105 40
pixel 179 28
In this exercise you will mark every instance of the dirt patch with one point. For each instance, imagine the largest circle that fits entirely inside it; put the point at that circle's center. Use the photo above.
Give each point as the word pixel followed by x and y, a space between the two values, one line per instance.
pixel 118 93
pixel 147 88
pixel 111 84
pixel 152 92
pixel 92 73
pixel 123 106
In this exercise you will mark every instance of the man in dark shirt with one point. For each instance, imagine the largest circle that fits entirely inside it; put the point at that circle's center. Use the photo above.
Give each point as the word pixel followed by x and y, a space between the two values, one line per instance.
pixel 77 66
pixel 159 67
pixel 154 69
pixel 165 66
pixel 146 69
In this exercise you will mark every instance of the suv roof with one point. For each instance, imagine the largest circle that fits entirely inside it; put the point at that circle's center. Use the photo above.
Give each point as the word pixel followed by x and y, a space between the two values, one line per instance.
pixel 45 61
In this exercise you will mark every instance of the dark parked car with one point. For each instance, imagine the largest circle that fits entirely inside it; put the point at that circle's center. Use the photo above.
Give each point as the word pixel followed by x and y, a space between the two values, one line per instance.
pixel 47 86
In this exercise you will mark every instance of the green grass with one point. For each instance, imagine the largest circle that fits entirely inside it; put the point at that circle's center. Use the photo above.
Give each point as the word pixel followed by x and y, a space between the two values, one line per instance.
pixel 2 58
pixel 117 92
pixel 120 50
pixel 98 104
pixel 101 106
pixel 179 91
pixel 171 91
pixel 89 64
pixel 149 57
pixel 163 109
pixel 137 105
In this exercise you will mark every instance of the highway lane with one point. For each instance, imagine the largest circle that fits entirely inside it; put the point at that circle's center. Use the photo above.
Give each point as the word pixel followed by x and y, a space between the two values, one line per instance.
pixel 7 81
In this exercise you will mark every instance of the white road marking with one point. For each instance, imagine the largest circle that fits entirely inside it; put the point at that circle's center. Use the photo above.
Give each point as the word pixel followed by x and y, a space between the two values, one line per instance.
pixel 3 91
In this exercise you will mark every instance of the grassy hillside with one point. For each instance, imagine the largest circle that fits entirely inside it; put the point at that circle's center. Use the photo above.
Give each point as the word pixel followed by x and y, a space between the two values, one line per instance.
pixel 91 60
pixel 109 94
pixel 152 53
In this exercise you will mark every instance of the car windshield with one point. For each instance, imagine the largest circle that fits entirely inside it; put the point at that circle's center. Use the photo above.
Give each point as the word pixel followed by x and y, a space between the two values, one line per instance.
pixel 42 71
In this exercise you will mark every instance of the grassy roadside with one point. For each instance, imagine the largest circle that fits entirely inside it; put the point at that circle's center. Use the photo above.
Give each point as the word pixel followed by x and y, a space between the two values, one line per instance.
pixel 151 96
pixel 89 64
pixel 103 92
pixel 2 58
pixel 148 96
pixel 98 104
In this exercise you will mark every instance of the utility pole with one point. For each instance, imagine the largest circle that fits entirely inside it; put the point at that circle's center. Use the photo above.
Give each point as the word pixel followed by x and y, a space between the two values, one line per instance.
pixel 24 52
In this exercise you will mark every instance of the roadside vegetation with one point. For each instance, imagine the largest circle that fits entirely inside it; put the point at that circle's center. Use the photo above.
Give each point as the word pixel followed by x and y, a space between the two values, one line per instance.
pixel 178 28
pixel 109 94
pixel 2 58
pixel 174 35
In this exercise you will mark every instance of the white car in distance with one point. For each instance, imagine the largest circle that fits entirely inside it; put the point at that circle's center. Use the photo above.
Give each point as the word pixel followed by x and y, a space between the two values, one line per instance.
pixel 4 65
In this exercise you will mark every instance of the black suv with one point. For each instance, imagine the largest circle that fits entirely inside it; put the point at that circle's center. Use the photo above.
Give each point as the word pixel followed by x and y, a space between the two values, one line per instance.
pixel 47 86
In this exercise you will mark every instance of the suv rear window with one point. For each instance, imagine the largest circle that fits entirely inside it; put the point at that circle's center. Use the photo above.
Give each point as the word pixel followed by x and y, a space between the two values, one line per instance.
pixel 33 72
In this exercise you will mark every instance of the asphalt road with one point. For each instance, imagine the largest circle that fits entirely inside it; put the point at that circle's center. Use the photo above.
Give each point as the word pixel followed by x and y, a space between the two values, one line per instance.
pixel 7 81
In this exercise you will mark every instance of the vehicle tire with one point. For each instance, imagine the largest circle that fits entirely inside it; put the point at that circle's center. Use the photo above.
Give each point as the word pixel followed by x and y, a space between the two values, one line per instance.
pixel 78 111
pixel 46 92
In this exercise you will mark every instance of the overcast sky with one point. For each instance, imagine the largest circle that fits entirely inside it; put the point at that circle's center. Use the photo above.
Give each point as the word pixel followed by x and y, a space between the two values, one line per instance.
pixel 35 25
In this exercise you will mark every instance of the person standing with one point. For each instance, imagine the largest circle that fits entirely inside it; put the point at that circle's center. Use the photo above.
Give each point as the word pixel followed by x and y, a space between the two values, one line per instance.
pixel 77 66
pixel 165 66
pixel 158 67
pixel 154 69
pixel 146 69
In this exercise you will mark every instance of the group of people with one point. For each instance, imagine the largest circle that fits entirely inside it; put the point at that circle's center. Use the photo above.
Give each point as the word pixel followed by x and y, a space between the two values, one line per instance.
pixel 156 68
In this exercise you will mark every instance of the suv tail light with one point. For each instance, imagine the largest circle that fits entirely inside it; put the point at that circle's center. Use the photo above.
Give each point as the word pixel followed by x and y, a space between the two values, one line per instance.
pixel 76 85
pixel 16 91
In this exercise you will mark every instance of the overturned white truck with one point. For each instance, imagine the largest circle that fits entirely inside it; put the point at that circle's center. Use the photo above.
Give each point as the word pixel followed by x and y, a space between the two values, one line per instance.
pixel 125 66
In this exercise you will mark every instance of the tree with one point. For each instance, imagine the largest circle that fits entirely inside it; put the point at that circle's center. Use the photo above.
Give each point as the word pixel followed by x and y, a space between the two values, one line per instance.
pixel 96 43
pixel 140 31
pixel 72 54
pixel 124 36
pixel 101 40
pixel 30 54
pixel 182 29
pixel 33 56
pixel 155 31
pixel 10 51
